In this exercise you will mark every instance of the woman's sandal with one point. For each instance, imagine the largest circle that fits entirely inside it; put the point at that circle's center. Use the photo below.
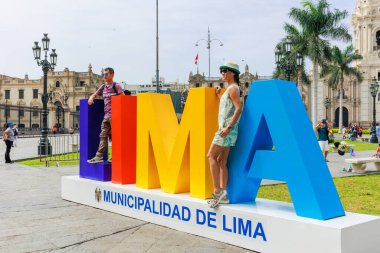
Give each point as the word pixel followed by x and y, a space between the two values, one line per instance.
pixel 215 202
pixel 214 196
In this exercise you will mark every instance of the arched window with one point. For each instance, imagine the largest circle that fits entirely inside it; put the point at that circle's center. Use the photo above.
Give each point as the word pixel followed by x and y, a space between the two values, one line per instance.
pixel 378 38
pixel 57 84
pixel 246 84
pixel 197 85
pixel 210 85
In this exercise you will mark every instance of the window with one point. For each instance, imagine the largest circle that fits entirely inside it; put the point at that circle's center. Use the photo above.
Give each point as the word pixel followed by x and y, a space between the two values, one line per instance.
pixel 21 126
pixel 35 126
pixel 35 93
pixel 77 108
pixel 246 85
pixel 21 94
pixel 197 85
pixel 7 94
pixel 35 111
pixel 210 85
pixel 221 85
pixel 378 38
pixel 378 76
pixel 21 112
pixel 82 83
pixel 57 84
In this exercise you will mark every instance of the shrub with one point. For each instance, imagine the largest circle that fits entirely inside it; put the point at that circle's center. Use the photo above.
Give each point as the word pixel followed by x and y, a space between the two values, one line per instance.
pixel 366 131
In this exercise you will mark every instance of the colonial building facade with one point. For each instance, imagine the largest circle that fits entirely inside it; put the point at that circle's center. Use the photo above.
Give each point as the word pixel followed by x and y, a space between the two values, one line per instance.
pixel 357 102
pixel 20 98
pixel 245 78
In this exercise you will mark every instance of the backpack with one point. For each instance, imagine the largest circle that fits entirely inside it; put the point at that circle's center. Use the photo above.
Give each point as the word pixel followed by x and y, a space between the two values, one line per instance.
pixel 15 132
pixel 126 92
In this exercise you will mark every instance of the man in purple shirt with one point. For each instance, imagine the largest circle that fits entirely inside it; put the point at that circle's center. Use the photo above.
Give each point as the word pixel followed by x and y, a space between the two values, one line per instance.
pixel 110 88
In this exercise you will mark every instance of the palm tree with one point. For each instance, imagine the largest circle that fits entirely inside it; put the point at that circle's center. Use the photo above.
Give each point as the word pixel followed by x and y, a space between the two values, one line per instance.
pixel 317 25
pixel 339 67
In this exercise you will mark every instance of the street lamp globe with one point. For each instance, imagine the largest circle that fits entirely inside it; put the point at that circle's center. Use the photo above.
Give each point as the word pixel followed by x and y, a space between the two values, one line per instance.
pixel 277 55
pixel 288 45
pixel 45 42
pixel 299 59
pixel 53 58
pixel 36 51
pixel 374 88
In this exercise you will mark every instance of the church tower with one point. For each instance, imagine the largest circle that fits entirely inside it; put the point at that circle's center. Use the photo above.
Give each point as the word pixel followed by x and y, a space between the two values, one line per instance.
pixel 366 39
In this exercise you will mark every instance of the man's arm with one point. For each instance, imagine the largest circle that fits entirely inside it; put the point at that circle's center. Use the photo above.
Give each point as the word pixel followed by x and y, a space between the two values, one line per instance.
pixel 91 98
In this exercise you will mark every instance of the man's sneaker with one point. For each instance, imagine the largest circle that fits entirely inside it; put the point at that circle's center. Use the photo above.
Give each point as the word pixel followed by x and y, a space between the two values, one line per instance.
pixel 96 159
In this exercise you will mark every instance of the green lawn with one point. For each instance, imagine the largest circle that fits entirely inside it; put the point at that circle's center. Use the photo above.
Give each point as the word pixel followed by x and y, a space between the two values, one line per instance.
pixel 359 194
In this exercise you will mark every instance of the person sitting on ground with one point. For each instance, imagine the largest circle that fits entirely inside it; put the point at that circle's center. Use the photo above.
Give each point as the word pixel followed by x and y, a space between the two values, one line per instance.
pixel 322 129
pixel 360 131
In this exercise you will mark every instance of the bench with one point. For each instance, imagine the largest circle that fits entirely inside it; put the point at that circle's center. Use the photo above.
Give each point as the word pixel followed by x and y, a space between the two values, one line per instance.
pixel 359 164
pixel 365 139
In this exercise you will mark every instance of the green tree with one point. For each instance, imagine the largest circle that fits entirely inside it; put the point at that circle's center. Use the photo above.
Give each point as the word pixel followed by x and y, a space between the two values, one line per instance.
pixel 317 25
pixel 338 68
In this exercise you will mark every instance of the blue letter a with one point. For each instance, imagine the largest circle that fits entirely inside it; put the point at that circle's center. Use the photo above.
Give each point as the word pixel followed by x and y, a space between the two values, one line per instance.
pixel 274 115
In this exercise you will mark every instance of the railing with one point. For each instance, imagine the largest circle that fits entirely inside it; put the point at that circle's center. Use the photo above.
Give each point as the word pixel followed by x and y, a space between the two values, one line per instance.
pixel 64 148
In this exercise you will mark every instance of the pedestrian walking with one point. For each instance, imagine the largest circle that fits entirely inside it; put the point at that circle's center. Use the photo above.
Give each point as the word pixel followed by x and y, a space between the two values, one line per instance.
pixel 229 113
pixel 8 138
pixel 110 88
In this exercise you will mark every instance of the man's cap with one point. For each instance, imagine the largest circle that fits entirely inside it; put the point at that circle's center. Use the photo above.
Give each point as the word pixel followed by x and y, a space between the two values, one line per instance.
pixel 231 66
pixel 323 120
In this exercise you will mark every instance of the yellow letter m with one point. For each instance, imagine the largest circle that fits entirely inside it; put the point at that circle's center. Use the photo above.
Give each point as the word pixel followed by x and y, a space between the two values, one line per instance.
pixel 171 155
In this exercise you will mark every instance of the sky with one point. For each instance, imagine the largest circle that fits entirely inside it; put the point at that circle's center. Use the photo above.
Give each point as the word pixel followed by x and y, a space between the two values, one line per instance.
pixel 122 34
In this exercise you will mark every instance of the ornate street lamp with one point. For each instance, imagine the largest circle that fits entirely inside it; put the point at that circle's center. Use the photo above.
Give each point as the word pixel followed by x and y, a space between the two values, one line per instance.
pixel 288 66
pixel 208 41
pixel 44 147
pixel 327 104
pixel 374 88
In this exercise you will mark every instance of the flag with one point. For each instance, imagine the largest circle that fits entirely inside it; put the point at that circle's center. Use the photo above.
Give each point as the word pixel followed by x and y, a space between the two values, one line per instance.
pixel 196 60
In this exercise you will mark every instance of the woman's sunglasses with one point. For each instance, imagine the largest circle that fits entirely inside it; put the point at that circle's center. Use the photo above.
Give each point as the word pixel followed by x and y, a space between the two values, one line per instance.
pixel 223 71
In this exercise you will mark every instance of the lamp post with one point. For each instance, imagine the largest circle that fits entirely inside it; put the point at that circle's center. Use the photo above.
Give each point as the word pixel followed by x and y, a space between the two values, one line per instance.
pixel 44 147
pixel 374 88
pixel 157 62
pixel 58 113
pixel 327 104
pixel 6 111
pixel 288 65
pixel 208 41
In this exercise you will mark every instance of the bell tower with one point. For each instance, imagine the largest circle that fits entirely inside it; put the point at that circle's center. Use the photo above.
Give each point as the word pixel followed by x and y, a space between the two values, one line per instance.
pixel 366 40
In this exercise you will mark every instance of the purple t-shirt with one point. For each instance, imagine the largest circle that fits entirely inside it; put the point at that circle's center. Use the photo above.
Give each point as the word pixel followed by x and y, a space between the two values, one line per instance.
pixel 107 92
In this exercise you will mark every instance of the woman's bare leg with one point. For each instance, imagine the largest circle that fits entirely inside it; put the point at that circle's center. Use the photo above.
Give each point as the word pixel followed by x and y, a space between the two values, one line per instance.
pixel 212 156
pixel 222 162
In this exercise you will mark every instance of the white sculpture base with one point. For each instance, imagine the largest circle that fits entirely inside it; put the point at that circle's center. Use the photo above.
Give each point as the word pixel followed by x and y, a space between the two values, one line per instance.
pixel 264 226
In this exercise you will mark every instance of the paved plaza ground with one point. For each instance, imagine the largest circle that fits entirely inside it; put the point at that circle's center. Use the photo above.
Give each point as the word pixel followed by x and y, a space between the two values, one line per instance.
pixel 34 218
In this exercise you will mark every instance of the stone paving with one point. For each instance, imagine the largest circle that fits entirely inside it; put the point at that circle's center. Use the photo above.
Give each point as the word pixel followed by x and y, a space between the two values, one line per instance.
pixel 34 218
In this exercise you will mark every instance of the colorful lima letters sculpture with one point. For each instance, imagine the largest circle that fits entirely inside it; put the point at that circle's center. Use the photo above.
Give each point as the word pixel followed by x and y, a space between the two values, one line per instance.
pixel 171 156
